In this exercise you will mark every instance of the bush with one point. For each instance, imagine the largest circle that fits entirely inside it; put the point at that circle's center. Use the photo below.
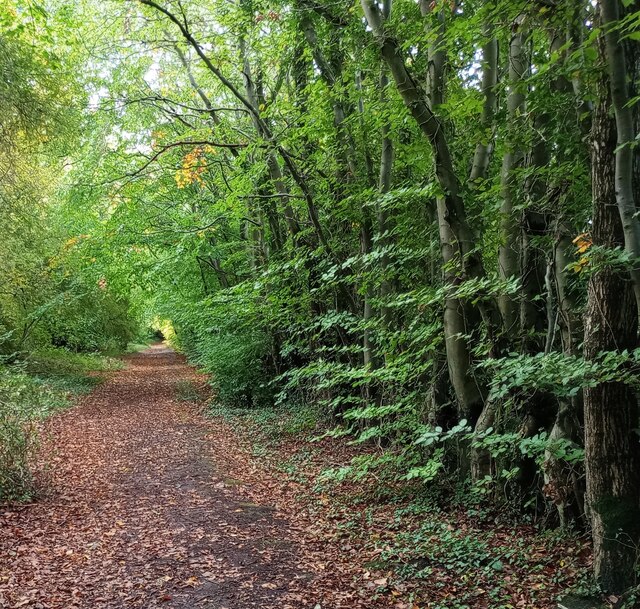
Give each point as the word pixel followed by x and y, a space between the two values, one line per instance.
pixel 230 342
pixel 23 401
pixel 95 321
pixel 236 362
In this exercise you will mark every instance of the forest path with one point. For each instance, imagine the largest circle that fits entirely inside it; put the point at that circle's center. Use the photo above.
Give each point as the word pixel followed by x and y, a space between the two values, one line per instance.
pixel 139 514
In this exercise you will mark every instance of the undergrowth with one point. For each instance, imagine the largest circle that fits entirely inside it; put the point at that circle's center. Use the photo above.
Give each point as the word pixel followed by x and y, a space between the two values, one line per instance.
pixel 451 546
pixel 68 371
pixel 271 425
pixel 30 391
pixel 187 391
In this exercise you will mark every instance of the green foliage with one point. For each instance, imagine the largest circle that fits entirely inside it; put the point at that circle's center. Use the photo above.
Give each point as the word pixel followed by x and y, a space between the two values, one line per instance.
pixel 436 545
pixel 186 391
pixel 23 402
pixel 29 392
pixel 237 362
pixel 228 343
pixel 434 453
pixel 93 321
pixel 50 295
pixel 560 374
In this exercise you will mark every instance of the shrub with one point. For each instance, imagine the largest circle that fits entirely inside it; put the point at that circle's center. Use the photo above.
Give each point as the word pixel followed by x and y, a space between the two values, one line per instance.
pixel 23 401
pixel 236 362
pixel 226 337
pixel 94 321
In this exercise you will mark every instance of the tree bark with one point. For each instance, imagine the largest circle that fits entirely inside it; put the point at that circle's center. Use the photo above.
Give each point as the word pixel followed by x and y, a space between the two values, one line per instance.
pixel 509 251
pixel 618 76
pixel 612 450
pixel 484 148
pixel 384 185
pixel 457 314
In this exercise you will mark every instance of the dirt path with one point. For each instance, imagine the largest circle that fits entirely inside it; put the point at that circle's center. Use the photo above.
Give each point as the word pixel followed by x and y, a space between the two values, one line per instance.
pixel 140 516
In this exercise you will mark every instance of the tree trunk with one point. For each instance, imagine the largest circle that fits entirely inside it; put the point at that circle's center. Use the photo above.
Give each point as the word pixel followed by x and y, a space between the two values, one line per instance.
pixel 457 315
pixel 484 148
pixel 612 456
pixel 509 254
pixel 384 185
pixel 618 77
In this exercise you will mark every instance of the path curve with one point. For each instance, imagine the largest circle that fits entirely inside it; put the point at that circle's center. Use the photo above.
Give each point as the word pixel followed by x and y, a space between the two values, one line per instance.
pixel 139 516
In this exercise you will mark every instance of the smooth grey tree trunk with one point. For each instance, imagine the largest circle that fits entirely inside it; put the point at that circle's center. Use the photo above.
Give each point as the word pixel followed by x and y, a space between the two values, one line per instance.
pixel 626 136
pixel 509 251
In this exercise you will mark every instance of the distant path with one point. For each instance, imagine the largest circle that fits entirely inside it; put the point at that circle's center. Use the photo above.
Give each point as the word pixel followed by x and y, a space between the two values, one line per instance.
pixel 139 516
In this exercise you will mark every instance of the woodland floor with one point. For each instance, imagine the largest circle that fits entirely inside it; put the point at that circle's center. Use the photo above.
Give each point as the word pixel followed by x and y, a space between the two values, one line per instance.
pixel 140 513
pixel 149 503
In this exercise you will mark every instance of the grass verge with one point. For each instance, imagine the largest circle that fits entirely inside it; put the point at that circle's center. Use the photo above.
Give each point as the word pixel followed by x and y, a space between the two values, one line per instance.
pixel 30 391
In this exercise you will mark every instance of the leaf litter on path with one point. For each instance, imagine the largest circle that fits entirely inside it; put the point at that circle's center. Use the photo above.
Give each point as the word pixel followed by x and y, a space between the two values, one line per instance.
pixel 140 514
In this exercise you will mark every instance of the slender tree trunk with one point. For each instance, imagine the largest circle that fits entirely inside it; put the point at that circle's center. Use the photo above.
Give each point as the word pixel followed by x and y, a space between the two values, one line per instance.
pixel 203 276
pixel 618 77
pixel 484 147
pixel 384 185
pixel 480 461
pixel 456 313
pixel 371 359
pixel 533 258
pixel 509 251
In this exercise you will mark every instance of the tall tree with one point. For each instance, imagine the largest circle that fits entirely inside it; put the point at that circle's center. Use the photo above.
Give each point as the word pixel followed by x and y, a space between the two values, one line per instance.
pixel 612 450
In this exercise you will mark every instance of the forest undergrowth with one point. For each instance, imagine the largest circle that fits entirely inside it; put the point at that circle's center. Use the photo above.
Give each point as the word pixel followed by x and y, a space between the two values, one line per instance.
pixel 431 547
pixel 31 390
